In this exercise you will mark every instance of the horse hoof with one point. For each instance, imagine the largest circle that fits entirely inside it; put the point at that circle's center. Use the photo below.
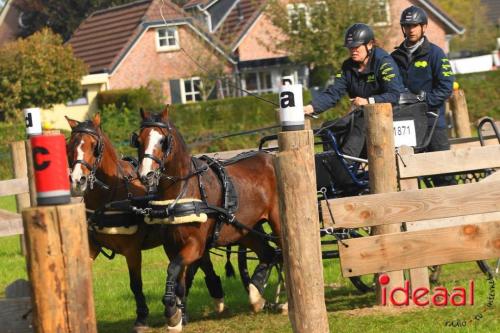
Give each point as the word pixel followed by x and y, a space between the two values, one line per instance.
pixel 256 300
pixel 283 308
pixel 141 329
pixel 219 305
pixel 174 323
pixel 175 329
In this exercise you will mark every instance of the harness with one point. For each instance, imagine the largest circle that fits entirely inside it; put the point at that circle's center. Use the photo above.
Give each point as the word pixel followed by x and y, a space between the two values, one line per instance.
pixel 223 215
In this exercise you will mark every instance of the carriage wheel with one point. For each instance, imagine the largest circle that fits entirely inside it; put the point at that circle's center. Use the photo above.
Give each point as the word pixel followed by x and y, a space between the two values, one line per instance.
pixel 364 283
pixel 491 266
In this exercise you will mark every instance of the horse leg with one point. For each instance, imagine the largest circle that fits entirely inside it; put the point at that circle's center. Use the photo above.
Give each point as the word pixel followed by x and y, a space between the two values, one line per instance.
pixel 134 260
pixel 213 282
pixel 175 288
pixel 266 255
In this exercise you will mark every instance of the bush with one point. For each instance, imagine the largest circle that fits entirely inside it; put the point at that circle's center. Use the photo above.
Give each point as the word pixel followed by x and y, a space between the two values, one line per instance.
pixel 38 71
pixel 482 94
pixel 9 133
pixel 201 123
pixel 130 99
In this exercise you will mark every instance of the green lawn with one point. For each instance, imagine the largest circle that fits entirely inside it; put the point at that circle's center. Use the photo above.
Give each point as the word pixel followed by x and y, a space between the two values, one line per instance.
pixel 348 310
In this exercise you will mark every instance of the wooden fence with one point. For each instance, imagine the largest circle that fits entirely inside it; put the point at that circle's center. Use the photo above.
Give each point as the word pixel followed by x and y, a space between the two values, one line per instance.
pixel 444 225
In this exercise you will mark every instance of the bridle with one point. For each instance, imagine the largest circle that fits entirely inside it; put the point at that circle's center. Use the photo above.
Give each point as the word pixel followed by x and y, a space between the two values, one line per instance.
pixel 152 179
pixel 98 154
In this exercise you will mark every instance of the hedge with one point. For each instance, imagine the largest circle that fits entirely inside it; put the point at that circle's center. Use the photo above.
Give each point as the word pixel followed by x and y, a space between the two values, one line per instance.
pixel 201 121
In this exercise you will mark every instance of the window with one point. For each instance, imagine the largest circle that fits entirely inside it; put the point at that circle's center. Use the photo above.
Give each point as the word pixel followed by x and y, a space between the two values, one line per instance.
pixel 82 100
pixel 191 90
pixel 312 15
pixel 298 14
pixel 167 39
pixel 258 82
pixel 381 13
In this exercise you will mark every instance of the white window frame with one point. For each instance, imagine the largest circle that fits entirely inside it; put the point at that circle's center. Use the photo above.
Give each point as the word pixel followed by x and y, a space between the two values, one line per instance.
pixel 184 94
pixel 173 47
pixel 292 10
pixel 387 21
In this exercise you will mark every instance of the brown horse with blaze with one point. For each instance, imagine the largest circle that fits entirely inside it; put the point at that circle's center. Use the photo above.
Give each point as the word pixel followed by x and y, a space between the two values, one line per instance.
pixel 166 165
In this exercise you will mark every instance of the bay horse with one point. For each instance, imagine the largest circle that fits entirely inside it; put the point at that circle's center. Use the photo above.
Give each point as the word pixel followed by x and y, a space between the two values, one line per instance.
pixel 166 164
pixel 102 177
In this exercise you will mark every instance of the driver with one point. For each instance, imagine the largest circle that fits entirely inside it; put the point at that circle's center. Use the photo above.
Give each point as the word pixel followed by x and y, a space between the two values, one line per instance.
pixel 368 76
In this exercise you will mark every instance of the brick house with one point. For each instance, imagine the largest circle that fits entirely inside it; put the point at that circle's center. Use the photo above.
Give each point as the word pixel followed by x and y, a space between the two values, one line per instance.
pixel 249 34
pixel 154 40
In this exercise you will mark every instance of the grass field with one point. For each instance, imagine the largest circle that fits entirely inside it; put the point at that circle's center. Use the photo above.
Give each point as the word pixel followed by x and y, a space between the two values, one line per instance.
pixel 348 309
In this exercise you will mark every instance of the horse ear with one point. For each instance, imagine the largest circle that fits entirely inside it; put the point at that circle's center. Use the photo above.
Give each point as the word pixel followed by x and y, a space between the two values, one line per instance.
pixel 72 123
pixel 145 114
pixel 97 120
pixel 165 113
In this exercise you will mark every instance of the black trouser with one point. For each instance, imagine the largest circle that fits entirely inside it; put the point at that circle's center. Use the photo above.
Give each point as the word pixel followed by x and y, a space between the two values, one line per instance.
pixel 440 142
pixel 349 132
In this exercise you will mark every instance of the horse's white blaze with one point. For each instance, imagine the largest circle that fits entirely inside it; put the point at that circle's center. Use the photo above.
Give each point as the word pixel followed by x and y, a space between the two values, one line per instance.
pixel 77 172
pixel 154 141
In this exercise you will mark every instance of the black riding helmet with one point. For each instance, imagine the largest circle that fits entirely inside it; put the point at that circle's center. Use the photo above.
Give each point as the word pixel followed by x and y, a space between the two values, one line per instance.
pixel 358 34
pixel 413 15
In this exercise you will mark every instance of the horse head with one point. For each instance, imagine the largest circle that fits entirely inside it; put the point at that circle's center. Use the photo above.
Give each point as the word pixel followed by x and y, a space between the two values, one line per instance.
pixel 155 143
pixel 85 150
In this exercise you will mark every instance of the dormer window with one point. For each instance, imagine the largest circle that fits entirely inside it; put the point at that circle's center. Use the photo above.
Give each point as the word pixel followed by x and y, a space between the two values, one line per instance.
pixel 167 39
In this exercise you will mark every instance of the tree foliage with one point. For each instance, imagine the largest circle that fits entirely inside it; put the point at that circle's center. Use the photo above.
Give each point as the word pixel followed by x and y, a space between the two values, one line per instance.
pixel 480 33
pixel 38 71
pixel 62 16
pixel 314 30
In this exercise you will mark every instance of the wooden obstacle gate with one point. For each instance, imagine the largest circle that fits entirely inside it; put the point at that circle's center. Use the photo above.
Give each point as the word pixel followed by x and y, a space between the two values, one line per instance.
pixel 444 225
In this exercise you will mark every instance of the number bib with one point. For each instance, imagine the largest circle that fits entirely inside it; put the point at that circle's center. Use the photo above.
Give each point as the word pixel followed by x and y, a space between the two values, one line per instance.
pixel 404 133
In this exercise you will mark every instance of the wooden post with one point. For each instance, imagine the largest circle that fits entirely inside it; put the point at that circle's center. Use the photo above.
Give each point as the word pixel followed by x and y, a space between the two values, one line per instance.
pixel 59 268
pixel 300 232
pixel 419 277
pixel 20 169
pixel 31 173
pixel 460 112
pixel 382 173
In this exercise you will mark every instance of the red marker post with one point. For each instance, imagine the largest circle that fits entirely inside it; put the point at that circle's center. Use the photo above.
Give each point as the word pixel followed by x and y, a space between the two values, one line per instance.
pixel 51 169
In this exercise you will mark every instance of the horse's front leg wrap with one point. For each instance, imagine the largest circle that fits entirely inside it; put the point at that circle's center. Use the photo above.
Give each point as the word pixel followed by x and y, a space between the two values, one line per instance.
pixel 169 299
pixel 260 276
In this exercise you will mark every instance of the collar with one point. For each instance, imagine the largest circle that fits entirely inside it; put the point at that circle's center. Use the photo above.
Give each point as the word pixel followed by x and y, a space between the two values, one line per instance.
pixel 423 49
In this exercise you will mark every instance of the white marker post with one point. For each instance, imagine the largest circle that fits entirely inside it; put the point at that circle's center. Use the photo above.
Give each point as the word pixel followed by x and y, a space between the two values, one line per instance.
pixel 291 105
pixel 33 121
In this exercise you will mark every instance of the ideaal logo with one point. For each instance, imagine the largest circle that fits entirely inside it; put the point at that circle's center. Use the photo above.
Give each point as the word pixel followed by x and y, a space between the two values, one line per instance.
pixel 459 296
pixel 440 296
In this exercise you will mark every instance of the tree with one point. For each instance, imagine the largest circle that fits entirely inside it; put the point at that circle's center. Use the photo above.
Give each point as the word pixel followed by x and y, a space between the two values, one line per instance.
pixel 313 31
pixel 62 16
pixel 480 33
pixel 38 71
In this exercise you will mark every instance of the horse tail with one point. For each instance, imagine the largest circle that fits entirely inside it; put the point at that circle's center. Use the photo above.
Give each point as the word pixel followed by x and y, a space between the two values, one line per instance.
pixel 229 266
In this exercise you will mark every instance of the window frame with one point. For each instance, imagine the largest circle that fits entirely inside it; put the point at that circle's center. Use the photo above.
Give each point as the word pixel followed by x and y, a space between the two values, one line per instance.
pixel 193 93
pixel 158 39
pixel 387 10
pixel 258 75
